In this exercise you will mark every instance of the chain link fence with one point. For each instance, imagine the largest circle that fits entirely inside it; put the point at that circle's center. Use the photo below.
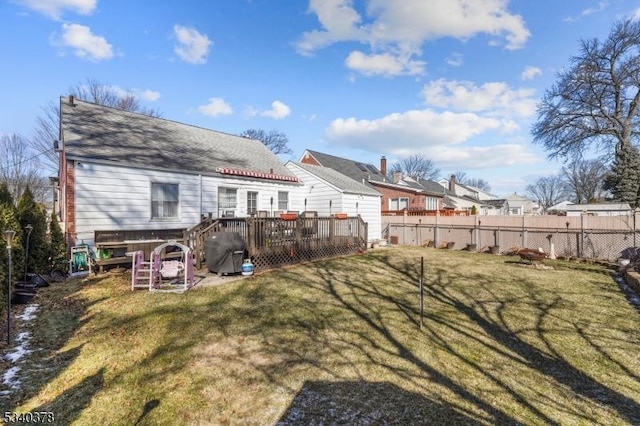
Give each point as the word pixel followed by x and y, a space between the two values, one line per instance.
pixel 601 244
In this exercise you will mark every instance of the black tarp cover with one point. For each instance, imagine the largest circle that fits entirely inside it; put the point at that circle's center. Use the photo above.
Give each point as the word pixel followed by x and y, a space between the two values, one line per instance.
pixel 224 252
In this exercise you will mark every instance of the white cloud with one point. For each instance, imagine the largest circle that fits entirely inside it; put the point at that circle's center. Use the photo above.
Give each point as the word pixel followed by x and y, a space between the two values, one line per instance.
pixel 636 15
pixel 54 8
pixel 602 5
pixel 215 107
pixel 464 140
pixel 400 27
pixel 491 98
pixel 147 95
pixel 278 111
pixel 530 73
pixel 192 46
pixel 403 133
pixel 385 64
pixel 455 60
pixel 86 45
pixel 482 157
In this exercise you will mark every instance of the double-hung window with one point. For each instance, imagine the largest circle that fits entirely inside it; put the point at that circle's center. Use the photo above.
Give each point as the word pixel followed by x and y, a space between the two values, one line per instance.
pixel 252 202
pixel 398 203
pixel 227 202
pixel 432 203
pixel 165 200
pixel 283 201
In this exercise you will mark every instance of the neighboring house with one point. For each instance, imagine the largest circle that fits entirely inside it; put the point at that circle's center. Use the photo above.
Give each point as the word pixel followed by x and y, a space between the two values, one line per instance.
pixel 600 209
pixel 398 194
pixel 519 205
pixel 461 190
pixel 465 197
pixel 327 191
pixel 356 170
pixel 497 207
pixel 121 170
pixel 559 209
pixel 408 194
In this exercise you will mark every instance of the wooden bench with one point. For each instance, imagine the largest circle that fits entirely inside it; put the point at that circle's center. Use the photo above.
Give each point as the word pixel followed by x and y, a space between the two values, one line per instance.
pixel 120 252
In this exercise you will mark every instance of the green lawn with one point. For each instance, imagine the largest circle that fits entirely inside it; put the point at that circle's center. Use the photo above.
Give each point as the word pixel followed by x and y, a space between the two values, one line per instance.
pixel 339 342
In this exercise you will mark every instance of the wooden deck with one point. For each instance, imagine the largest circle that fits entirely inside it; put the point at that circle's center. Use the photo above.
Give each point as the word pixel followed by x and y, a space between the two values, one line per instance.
pixel 270 241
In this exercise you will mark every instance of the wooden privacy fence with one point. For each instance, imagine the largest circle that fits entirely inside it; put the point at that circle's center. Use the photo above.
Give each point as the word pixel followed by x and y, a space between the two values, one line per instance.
pixel 575 237
pixel 426 212
pixel 273 241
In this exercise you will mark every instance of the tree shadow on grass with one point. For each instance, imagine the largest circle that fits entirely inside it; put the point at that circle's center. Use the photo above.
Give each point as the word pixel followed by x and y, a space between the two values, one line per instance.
pixel 74 400
pixel 365 312
pixel 552 364
pixel 366 403
pixel 60 313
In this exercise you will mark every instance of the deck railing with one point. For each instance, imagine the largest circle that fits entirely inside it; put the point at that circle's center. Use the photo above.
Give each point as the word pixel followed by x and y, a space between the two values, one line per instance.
pixel 273 241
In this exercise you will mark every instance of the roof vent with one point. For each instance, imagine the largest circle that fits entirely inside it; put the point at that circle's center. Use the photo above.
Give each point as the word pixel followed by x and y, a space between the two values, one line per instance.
pixel 71 99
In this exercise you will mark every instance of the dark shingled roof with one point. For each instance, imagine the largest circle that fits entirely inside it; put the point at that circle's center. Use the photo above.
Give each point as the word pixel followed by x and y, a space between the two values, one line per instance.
pixel 354 169
pixel 99 133
pixel 434 187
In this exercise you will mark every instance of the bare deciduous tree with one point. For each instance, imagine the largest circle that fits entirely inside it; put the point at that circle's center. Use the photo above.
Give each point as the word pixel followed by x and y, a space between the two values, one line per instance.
pixel 461 177
pixel 594 102
pixel 274 140
pixel 479 183
pixel 47 125
pixel 104 94
pixel 548 190
pixel 585 179
pixel 20 168
pixel 416 166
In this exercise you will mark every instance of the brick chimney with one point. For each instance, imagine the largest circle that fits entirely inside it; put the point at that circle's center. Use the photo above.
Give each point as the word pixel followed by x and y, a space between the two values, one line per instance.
pixel 452 184
pixel 383 166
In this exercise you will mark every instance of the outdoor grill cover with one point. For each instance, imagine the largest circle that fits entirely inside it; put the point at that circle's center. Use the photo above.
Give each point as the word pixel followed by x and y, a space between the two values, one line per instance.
pixel 224 252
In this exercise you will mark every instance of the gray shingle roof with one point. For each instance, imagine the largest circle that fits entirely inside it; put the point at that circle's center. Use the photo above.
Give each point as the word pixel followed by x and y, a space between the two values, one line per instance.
pixel 337 179
pixel 95 132
pixel 434 187
pixel 353 169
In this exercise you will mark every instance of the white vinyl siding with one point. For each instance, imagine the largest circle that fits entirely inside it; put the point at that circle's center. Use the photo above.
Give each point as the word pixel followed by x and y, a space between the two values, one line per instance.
pixel 165 200
pixel 109 197
pixel 327 199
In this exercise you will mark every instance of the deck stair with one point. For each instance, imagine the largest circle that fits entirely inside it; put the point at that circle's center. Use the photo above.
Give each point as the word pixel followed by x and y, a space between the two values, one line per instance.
pixel 197 235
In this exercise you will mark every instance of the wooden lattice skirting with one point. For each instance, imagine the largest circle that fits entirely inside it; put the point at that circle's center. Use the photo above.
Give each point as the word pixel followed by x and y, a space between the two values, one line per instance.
pixel 296 252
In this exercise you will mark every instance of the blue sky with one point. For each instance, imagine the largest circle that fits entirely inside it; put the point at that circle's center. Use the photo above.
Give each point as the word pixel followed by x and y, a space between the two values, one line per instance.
pixel 456 81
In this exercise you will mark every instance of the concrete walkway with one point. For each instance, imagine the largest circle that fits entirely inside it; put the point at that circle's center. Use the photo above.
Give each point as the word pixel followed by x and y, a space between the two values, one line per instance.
pixel 204 278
